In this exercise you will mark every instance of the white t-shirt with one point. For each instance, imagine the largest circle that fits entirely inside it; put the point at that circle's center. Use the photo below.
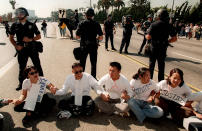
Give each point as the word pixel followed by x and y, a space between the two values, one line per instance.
pixel 197 97
pixel 82 86
pixel 27 85
pixel 177 94
pixel 142 91
pixel 115 88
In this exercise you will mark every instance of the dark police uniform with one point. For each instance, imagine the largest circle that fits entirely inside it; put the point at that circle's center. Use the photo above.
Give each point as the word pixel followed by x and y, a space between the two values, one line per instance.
pixel 127 32
pixel 159 32
pixel 146 26
pixel 88 31
pixel 27 30
pixel 7 27
pixel 109 27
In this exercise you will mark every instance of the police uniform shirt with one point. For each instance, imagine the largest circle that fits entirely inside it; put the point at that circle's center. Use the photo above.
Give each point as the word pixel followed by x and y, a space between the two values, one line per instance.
pixel 109 26
pixel 28 30
pixel 160 31
pixel 88 30
pixel 128 28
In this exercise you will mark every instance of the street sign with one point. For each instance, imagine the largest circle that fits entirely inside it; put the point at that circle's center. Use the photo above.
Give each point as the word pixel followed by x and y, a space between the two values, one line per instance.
pixel 62 13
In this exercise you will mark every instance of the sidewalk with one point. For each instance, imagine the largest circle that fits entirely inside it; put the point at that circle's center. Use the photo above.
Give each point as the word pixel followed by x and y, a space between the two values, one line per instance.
pixel 56 61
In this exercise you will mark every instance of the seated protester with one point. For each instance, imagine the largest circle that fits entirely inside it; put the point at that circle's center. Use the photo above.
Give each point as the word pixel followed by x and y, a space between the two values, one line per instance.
pixel 80 102
pixel 34 100
pixel 144 90
pixel 116 93
pixel 194 122
pixel 3 102
pixel 197 97
pixel 173 96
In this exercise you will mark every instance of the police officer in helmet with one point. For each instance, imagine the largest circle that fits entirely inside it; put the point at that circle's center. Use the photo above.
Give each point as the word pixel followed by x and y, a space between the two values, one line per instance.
pixel 89 31
pixel 159 33
pixel 146 26
pixel 127 32
pixel 26 33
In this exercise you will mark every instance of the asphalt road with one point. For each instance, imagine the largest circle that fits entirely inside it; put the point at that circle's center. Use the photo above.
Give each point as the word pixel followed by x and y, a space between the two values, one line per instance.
pixel 56 62
pixel 186 55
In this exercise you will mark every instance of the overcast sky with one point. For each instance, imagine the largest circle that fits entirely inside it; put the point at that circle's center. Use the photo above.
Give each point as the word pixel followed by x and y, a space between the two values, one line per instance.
pixel 44 7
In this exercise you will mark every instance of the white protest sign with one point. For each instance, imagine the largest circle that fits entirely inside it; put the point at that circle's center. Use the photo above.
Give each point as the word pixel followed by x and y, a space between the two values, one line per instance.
pixel 62 13
pixel 173 97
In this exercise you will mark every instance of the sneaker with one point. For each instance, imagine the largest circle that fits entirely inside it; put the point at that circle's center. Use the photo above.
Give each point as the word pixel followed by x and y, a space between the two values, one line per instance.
pixel 139 53
pixel 64 114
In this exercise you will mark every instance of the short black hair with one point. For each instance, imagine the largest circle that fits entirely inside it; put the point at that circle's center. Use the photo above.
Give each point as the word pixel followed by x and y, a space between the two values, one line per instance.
pixel 116 64
pixel 76 64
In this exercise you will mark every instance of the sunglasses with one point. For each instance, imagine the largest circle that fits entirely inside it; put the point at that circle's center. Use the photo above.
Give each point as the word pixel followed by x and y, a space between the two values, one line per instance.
pixel 32 73
pixel 77 72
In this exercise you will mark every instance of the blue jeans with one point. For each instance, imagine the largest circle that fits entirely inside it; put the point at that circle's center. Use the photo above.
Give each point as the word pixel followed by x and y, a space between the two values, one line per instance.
pixel 143 109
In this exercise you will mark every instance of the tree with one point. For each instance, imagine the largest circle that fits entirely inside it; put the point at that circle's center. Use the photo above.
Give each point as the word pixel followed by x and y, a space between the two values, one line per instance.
pixel 182 12
pixel 140 9
pixel 119 3
pixel 104 4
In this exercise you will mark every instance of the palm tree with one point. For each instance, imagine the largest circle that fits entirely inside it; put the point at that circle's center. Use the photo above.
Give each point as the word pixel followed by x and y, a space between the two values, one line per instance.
pixel 104 4
pixel 119 3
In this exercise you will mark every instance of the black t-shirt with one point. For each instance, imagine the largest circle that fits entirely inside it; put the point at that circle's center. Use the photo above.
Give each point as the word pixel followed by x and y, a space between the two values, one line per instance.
pixel 28 29
pixel 160 31
pixel 109 26
pixel 44 24
pixel 127 28
pixel 88 30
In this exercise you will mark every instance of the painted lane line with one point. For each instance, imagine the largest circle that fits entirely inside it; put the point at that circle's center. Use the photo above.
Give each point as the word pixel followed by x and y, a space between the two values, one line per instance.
pixel 7 67
pixel 188 57
pixel 194 89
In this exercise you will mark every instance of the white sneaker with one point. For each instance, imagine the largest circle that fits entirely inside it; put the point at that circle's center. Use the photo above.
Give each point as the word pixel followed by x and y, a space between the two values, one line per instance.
pixel 64 114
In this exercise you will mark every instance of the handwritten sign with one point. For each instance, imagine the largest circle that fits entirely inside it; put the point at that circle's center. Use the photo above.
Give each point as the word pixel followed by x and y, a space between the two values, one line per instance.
pixel 62 13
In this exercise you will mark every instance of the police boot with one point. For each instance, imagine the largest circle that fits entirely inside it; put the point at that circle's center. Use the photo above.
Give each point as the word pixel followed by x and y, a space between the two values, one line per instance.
pixel 19 87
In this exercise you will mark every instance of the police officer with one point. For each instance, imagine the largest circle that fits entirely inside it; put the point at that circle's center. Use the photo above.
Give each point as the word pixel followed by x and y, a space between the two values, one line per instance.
pixel 26 33
pixel 159 33
pixel 108 31
pixel 76 16
pixel 7 27
pixel 146 26
pixel 127 32
pixel 88 30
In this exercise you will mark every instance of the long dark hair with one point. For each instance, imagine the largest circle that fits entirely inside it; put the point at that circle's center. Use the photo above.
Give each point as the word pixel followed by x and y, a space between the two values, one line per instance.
pixel 180 72
pixel 141 72
pixel 27 70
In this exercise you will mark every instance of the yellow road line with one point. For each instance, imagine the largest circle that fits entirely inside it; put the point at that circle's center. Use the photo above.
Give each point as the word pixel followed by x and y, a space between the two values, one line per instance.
pixel 194 89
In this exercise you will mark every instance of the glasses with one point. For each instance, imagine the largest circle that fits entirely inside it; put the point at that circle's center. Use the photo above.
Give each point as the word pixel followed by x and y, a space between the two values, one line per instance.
pixel 77 72
pixel 32 73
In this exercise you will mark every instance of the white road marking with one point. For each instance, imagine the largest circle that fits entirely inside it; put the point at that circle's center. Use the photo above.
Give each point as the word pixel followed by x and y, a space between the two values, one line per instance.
pixel 7 67
pixel 188 57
